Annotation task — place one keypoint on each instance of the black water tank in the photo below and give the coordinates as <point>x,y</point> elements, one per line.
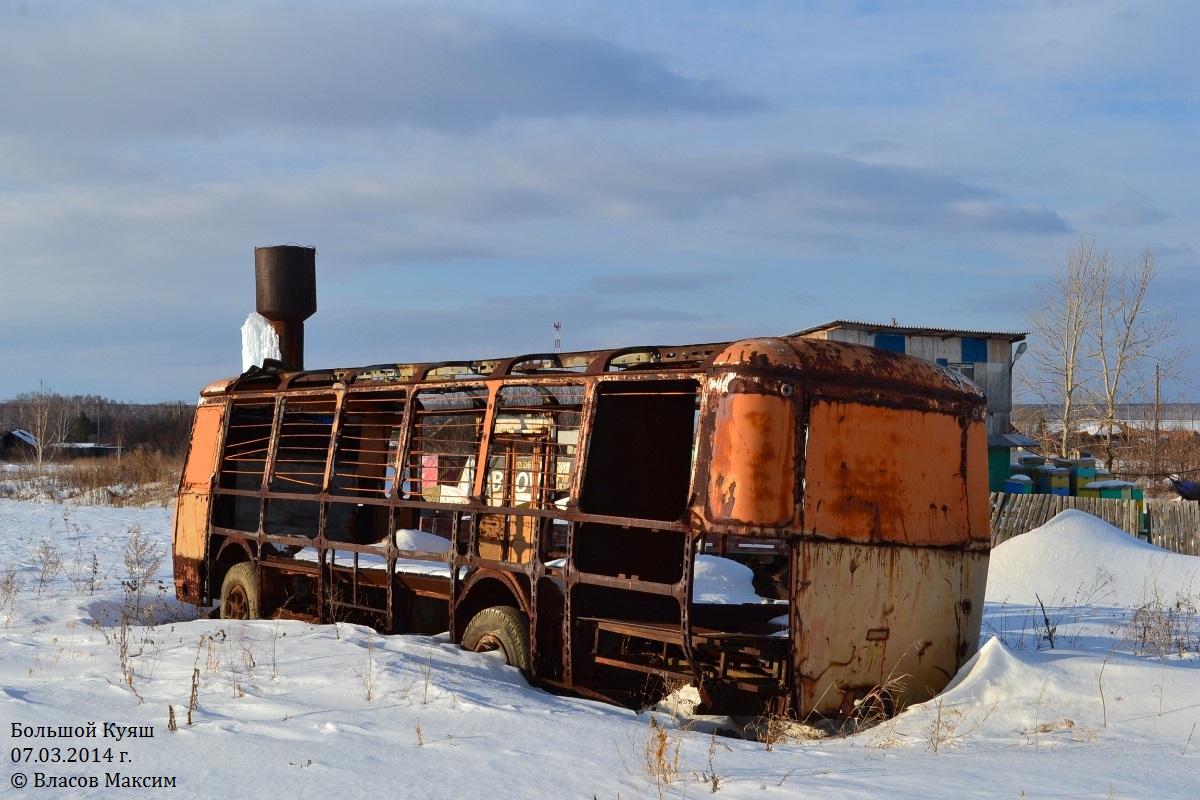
<point>285,282</point>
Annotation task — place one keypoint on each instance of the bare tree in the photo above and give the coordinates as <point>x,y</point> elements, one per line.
<point>1099,341</point>
<point>45,416</point>
<point>1061,364</point>
<point>1129,338</point>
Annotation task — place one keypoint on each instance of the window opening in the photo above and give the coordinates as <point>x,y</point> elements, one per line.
<point>531,454</point>
<point>305,428</point>
<point>966,370</point>
<point>440,467</point>
<point>639,465</point>
<point>243,463</point>
<point>363,462</point>
<point>247,439</point>
<point>640,449</point>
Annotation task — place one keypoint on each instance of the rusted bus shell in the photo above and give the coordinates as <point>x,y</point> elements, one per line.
<point>860,471</point>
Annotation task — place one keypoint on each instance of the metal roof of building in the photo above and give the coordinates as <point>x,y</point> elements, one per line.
<point>876,327</point>
<point>1012,440</point>
<point>25,436</point>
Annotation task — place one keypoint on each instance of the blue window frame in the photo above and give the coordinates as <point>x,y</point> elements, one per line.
<point>974,350</point>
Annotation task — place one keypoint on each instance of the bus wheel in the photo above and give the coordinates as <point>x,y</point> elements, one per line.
<point>502,628</point>
<point>239,593</point>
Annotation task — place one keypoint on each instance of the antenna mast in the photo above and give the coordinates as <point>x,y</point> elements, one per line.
<point>558,337</point>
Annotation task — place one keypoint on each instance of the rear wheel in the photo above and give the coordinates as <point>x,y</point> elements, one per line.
<point>239,593</point>
<point>501,628</point>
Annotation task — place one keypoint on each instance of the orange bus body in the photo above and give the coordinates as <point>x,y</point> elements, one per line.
<point>554,506</point>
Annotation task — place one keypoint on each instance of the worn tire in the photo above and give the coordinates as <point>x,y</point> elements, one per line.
<point>239,593</point>
<point>502,628</point>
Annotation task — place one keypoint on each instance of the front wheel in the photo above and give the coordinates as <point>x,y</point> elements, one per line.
<point>501,628</point>
<point>239,593</point>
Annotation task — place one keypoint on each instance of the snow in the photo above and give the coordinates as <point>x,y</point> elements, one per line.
<point>722,580</point>
<point>1078,560</point>
<point>296,710</point>
<point>421,542</point>
<point>259,341</point>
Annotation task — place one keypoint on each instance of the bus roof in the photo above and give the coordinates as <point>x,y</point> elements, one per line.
<point>811,359</point>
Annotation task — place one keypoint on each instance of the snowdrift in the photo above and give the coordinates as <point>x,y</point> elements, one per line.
<point>1076,559</point>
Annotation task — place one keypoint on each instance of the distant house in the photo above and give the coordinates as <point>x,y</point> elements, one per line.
<point>16,442</point>
<point>985,357</point>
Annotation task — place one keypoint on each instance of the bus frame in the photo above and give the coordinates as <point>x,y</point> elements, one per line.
<point>575,492</point>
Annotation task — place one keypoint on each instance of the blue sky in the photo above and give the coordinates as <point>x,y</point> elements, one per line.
<point>644,172</point>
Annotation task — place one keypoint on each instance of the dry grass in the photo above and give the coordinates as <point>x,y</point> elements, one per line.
<point>944,727</point>
<point>654,755</point>
<point>1160,628</point>
<point>709,775</point>
<point>139,478</point>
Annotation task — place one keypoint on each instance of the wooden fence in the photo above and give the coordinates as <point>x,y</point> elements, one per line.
<point>1173,525</point>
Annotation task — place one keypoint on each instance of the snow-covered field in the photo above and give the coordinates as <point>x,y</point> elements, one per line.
<point>288,709</point>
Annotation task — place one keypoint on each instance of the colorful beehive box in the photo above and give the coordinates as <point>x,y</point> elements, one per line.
<point>1020,469</point>
<point>1019,484</point>
<point>1054,480</point>
<point>1083,472</point>
<point>1115,490</point>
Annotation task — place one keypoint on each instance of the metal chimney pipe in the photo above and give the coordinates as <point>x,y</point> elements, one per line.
<point>285,288</point>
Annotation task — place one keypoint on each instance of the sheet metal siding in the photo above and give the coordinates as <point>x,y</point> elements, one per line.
<point>886,476</point>
<point>870,614</point>
<point>1000,351</point>
<point>932,348</point>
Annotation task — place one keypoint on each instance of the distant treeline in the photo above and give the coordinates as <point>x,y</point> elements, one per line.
<point>57,419</point>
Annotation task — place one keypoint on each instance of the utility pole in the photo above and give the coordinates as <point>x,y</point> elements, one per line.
<point>1155,467</point>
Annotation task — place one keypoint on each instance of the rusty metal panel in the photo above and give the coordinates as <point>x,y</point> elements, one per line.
<point>753,470</point>
<point>187,580</point>
<point>202,454</point>
<point>190,534</point>
<point>191,524</point>
<point>871,614</point>
<point>974,587</point>
<point>882,474</point>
